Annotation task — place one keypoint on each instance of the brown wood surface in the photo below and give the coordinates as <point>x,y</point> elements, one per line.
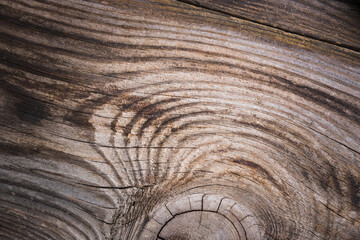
<point>333,21</point>
<point>124,119</point>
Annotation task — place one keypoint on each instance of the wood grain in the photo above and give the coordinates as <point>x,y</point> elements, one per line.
<point>119,119</point>
<point>335,21</point>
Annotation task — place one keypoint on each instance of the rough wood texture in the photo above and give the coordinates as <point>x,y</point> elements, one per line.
<point>122,119</point>
<point>332,21</point>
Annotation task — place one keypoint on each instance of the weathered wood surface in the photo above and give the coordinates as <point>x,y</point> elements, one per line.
<point>125,119</point>
<point>336,22</point>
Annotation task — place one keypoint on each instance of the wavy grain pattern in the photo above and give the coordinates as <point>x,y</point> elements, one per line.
<point>156,119</point>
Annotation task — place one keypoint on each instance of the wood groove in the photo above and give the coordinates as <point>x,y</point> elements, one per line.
<point>324,39</point>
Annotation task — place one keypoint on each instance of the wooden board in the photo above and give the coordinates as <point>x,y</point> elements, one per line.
<point>335,22</point>
<point>118,116</point>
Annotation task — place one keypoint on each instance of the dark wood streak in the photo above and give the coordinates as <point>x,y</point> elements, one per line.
<point>258,168</point>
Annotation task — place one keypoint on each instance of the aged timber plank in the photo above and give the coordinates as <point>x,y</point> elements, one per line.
<point>333,21</point>
<point>123,119</point>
